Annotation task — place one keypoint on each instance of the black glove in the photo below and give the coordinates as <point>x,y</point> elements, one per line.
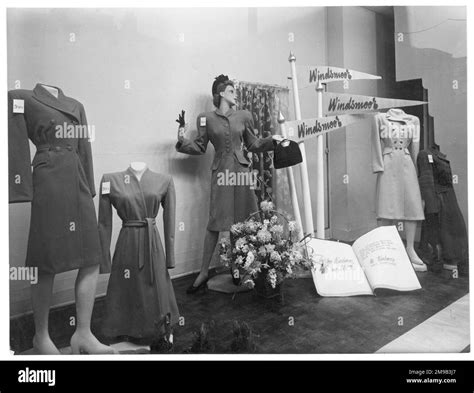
<point>180,119</point>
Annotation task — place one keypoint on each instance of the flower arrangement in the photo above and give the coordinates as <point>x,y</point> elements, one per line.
<point>265,247</point>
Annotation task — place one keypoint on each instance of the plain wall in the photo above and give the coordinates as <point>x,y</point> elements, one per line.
<point>166,74</point>
<point>439,57</point>
<point>354,40</point>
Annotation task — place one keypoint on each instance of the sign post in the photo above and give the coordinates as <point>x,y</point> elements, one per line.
<point>320,215</point>
<point>308,212</point>
<point>291,178</point>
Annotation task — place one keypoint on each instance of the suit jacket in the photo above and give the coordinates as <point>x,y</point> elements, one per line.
<point>229,133</point>
<point>434,177</point>
<point>383,144</point>
<point>63,229</point>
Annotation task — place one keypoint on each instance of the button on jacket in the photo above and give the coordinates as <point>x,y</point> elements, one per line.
<point>63,228</point>
<point>229,133</point>
<point>395,145</point>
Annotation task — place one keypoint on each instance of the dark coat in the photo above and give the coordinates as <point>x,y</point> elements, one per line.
<point>446,225</point>
<point>63,229</point>
<point>140,299</point>
<point>229,133</point>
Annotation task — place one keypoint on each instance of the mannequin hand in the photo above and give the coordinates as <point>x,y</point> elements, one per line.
<point>181,131</point>
<point>180,120</point>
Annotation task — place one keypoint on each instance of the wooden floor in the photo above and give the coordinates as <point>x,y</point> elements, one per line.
<point>308,323</point>
<point>321,325</point>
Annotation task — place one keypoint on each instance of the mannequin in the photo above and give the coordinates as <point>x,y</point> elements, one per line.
<point>53,247</point>
<point>141,303</point>
<point>395,145</point>
<point>443,236</point>
<point>52,90</point>
<point>138,168</point>
<point>228,130</point>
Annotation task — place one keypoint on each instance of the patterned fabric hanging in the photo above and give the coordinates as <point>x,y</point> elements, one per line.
<point>264,102</point>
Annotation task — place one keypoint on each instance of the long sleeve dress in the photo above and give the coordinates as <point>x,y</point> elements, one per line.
<point>395,145</point>
<point>229,133</point>
<point>140,300</point>
<point>63,227</point>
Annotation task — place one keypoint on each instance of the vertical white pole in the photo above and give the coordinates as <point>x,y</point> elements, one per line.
<point>291,179</point>
<point>308,212</point>
<point>320,216</point>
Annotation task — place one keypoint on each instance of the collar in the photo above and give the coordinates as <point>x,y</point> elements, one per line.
<point>227,114</point>
<point>437,153</point>
<point>62,103</point>
<point>398,115</point>
<point>130,170</point>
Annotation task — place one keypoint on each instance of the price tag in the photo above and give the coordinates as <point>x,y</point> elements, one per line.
<point>18,106</point>
<point>203,122</point>
<point>430,158</point>
<point>105,187</point>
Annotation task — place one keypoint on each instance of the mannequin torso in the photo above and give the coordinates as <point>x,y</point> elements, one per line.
<point>138,168</point>
<point>52,90</point>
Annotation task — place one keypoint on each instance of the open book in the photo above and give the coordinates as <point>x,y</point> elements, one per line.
<point>377,259</point>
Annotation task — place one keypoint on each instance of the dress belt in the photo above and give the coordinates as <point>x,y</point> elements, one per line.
<point>57,148</point>
<point>147,223</point>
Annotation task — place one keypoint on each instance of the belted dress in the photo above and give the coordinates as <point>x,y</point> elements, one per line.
<point>63,226</point>
<point>140,300</point>
<point>395,145</point>
<point>233,187</point>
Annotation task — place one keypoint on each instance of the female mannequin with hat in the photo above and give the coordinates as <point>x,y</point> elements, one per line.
<point>229,130</point>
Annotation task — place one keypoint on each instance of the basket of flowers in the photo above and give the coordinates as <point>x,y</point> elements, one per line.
<point>263,251</point>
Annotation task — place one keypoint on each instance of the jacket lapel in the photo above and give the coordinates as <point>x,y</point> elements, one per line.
<point>62,103</point>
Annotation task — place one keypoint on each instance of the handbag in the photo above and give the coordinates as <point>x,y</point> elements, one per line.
<point>286,153</point>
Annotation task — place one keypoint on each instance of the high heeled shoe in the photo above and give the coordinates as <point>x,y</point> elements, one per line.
<point>192,289</point>
<point>416,262</point>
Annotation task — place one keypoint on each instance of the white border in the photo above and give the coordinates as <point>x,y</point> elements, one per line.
<point>4,282</point>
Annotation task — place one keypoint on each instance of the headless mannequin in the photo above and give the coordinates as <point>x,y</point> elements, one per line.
<point>138,168</point>
<point>51,90</point>
<point>82,341</point>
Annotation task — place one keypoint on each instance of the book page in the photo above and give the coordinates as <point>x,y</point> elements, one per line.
<point>385,261</point>
<point>336,271</point>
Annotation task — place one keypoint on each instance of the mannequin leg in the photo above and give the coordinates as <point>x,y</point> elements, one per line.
<point>410,230</point>
<point>83,340</point>
<point>41,294</point>
<point>210,242</point>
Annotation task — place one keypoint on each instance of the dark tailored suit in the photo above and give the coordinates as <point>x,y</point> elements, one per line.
<point>445,224</point>
<point>63,228</point>
<point>229,133</point>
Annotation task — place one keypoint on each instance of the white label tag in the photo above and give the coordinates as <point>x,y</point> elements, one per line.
<point>18,106</point>
<point>430,158</point>
<point>203,122</point>
<point>105,187</point>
